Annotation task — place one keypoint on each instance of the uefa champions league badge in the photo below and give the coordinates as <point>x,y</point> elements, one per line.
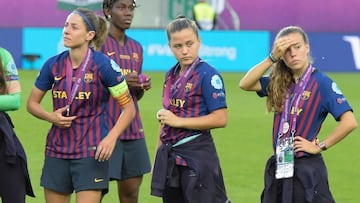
<point>336,88</point>
<point>216,82</point>
<point>115,66</point>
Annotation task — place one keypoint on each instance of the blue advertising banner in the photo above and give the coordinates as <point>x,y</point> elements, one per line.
<point>11,39</point>
<point>233,51</point>
<point>225,50</point>
<point>335,52</point>
<point>45,47</point>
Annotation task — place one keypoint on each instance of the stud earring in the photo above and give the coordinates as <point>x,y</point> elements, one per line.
<point>109,16</point>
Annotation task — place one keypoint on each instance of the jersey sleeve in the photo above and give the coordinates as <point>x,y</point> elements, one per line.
<point>11,99</point>
<point>214,90</point>
<point>115,81</point>
<point>11,74</point>
<point>264,82</point>
<point>334,101</point>
<point>45,78</point>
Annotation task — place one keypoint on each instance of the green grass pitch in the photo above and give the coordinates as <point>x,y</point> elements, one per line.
<point>243,146</point>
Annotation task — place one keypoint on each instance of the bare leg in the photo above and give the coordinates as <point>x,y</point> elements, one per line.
<point>128,189</point>
<point>88,196</point>
<point>52,196</point>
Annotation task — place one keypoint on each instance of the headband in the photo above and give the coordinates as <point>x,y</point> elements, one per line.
<point>87,21</point>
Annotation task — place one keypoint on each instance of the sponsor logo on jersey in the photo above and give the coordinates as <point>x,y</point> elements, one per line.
<point>177,102</point>
<point>124,56</point>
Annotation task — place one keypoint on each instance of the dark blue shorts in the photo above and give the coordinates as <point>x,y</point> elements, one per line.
<point>68,175</point>
<point>130,158</point>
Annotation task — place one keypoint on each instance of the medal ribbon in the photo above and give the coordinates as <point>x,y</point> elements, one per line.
<point>299,89</point>
<point>71,90</point>
<point>172,89</point>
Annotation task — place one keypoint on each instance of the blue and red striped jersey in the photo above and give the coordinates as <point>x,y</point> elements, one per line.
<point>89,105</point>
<point>320,97</point>
<point>203,93</point>
<point>130,58</point>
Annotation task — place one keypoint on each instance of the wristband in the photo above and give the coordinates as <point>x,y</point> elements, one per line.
<point>272,58</point>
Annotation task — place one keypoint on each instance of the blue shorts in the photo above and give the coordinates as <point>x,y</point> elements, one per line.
<point>130,158</point>
<point>68,175</point>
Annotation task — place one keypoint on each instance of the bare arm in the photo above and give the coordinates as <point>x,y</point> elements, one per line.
<point>250,82</point>
<point>346,124</point>
<point>158,143</point>
<point>34,107</point>
<point>107,145</point>
<point>216,119</point>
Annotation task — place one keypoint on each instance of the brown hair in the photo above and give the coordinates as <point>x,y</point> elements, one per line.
<point>180,23</point>
<point>281,75</point>
<point>2,79</point>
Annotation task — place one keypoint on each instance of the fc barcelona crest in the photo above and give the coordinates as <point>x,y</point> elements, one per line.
<point>188,87</point>
<point>136,57</point>
<point>305,95</point>
<point>88,77</point>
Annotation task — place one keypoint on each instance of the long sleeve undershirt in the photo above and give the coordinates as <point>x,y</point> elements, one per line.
<point>10,102</point>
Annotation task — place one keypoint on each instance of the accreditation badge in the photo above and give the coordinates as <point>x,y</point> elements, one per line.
<point>285,158</point>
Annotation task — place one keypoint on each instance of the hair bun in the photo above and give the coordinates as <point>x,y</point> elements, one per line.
<point>180,17</point>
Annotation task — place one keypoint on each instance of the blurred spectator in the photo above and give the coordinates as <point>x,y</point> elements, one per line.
<point>204,15</point>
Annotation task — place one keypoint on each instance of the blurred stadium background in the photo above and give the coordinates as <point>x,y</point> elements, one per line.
<point>31,30</point>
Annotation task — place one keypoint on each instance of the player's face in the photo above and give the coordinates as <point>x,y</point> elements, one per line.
<point>296,55</point>
<point>185,46</point>
<point>122,13</point>
<point>75,32</point>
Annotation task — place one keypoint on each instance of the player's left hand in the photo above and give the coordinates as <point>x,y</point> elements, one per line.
<point>303,145</point>
<point>132,80</point>
<point>105,148</point>
<point>147,84</point>
<point>167,117</point>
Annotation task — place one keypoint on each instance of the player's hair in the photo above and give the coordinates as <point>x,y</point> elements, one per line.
<point>108,4</point>
<point>2,79</point>
<point>95,23</point>
<point>281,75</point>
<point>179,23</point>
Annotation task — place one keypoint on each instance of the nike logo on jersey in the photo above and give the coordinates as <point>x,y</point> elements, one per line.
<point>110,53</point>
<point>98,180</point>
<point>57,78</point>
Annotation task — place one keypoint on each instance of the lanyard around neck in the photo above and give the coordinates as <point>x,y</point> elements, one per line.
<point>172,88</point>
<point>71,90</point>
<point>288,104</point>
